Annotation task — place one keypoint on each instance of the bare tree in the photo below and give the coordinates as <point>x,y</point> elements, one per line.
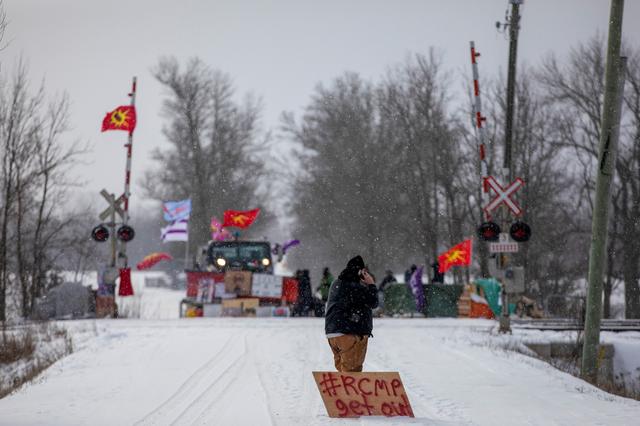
<point>214,153</point>
<point>425,137</point>
<point>3,24</point>
<point>575,91</point>
<point>379,168</point>
<point>33,178</point>
<point>341,201</point>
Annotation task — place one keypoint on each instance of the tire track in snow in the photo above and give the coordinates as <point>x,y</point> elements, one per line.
<point>309,395</point>
<point>263,387</point>
<point>235,381</point>
<point>209,394</point>
<point>184,391</point>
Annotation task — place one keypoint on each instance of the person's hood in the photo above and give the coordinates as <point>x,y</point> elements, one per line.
<point>350,273</point>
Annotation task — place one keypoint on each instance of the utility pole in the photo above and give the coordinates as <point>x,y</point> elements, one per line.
<point>514,27</point>
<point>610,125</point>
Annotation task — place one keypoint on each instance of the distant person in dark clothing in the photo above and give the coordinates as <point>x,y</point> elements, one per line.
<point>438,277</point>
<point>304,304</point>
<point>388,278</point>
<point>325,284</point>
<point>349,318</point>
<point>408,273</point>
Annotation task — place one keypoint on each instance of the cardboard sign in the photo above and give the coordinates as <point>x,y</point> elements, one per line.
<point>238,282</point>
<point>240,307</point>
<point>198,279</point>
<point>266,285</point>
<point>363,394</point>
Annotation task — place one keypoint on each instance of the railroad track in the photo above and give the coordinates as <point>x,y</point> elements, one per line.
<point>561,324</point>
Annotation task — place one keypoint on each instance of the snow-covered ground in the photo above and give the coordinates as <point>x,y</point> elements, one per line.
<point>256,371</point>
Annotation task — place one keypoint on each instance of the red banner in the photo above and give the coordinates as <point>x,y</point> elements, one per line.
<point>240,219</point>
<point>125,289</point>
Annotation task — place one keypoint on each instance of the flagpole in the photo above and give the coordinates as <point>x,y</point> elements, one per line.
<point>127,177</point>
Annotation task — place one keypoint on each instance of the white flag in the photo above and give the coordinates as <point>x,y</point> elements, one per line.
<point>177,231</point>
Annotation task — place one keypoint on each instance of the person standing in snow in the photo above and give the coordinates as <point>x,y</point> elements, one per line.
<point>305,298</point>
<point>325,284</point>
<point>349,317</point>
<point>388,279</point>
<point>408,273</point>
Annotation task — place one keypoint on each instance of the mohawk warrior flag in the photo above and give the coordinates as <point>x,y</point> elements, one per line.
<point>458,255</point>
<point>240,219</point>
<point>121,118</point>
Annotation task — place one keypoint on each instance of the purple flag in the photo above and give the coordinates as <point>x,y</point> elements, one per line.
<point>415,283</point>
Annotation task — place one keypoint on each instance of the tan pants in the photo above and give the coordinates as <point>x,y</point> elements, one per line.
<point>349,351</point>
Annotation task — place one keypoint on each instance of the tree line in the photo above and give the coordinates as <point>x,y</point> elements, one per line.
<point>387,169</point>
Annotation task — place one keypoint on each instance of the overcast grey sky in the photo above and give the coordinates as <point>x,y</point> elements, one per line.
<point>278,49</point>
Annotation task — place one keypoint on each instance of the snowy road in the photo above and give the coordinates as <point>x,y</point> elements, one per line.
<point>254,371</point>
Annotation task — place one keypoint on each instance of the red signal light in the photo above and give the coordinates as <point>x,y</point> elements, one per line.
<point>520,232</point>
<point>126,233</point>
<point>100,233</point>
<point>489,231</point>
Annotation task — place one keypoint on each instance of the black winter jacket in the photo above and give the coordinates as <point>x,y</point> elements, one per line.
<point>349,307</point>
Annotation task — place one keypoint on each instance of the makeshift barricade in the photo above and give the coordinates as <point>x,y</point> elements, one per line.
<point>440,300</point>
<point>212,294</point>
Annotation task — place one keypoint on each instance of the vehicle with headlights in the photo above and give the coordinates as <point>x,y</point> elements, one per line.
<point>254,256</point>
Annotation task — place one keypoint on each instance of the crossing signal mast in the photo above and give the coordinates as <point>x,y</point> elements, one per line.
<point>490,231</point>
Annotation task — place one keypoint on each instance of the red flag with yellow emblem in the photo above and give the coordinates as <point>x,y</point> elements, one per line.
<point>240,219</point>
<point>121,118</point>
<point>460,254</point>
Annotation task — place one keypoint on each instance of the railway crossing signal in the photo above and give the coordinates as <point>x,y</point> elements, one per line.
<point>503,195</point>
<point>114,204</point>
<point>520,232</point>
<point>489,231</point>
<point>504,246</point>
<point>100,233</point>
<point>126,233</point>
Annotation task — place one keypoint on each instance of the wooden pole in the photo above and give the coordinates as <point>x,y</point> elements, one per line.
<point>610,130</point>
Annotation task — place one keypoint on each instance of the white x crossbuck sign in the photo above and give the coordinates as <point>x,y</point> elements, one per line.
<point>504,195</point>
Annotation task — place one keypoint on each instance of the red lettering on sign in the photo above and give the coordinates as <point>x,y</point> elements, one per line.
<point>365,404</point>
<point>342,407</point>
<point>395,384</point>
<point>362,391</point>
<point>329,384</point>
<point>347,382</point>
<point>357,394</point>
<point>355,407</point>
<point>386,409</point>
<point>381,384</point>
